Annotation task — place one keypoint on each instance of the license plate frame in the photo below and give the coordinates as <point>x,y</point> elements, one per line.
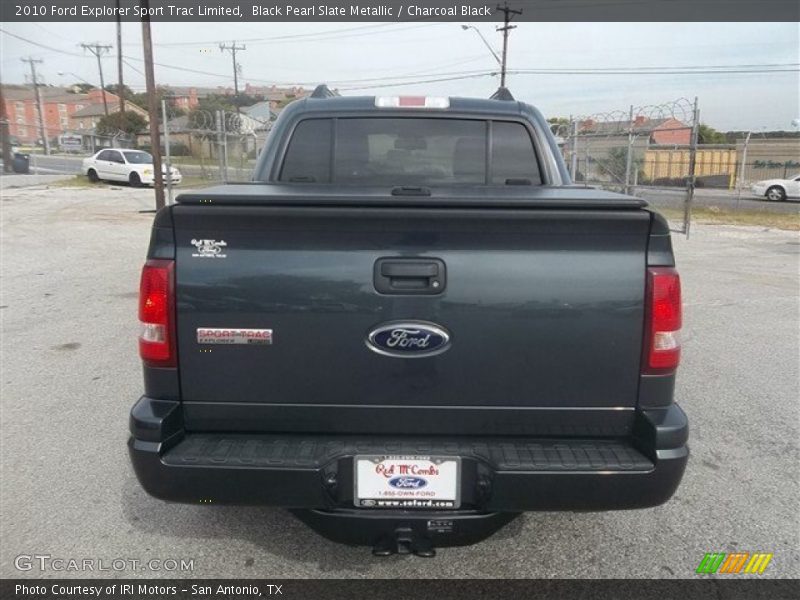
<point>372,474</point>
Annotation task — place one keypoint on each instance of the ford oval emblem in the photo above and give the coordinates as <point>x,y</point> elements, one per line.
<point>408,339</point>
<point>408,483</point>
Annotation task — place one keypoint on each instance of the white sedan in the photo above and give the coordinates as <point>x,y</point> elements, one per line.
<point>133,166</point>
<point>778,189</point>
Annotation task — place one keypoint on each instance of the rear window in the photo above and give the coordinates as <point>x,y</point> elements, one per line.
<point>410,151</point>
<point>308,158</point>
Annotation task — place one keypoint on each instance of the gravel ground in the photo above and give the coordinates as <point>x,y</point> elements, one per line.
<point>70,265</point>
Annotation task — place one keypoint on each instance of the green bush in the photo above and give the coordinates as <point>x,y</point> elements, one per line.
<point>179,149</point>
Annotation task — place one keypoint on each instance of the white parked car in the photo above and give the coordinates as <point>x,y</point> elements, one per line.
<point>778,189</point>
<point>133,166</point>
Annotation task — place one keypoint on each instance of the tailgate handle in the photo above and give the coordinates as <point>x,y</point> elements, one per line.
<point>409,276</point>
<point>407,190</point>
<point>409,269</point>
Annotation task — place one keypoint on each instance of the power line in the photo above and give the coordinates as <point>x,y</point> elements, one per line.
<point>132,67</point>
<point>19,37</point>
<point>675,71</point>
<point>390,81</point>
<point>306,37</point>
<point>474,75</point>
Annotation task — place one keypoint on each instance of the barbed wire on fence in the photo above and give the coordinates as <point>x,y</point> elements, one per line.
<point>610,148</point>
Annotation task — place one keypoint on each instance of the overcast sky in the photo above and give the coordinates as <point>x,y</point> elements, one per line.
<point>371,51</point>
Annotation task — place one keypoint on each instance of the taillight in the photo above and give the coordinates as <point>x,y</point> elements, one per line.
<point>157,313</point>
<point>662,342</point>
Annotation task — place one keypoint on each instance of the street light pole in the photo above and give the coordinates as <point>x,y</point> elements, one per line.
<point>62,73</point>
<point>483,39</point>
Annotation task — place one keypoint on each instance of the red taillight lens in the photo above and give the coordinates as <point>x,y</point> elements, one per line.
<point>157,313</point>
<point>663,347</point>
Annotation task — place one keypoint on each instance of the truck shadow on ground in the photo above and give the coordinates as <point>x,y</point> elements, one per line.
<point>274,531</point>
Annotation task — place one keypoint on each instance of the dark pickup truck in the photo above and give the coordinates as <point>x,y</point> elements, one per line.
<point>409,328</point>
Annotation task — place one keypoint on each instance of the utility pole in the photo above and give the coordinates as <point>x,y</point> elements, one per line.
<point>98,50</point>
<point>152,106</point>
<point>120,83</point>
<point>4,133</point>
<point>233,48</point>
<point>166,148</point>
<point>508,14</point>
<point>39,104</point>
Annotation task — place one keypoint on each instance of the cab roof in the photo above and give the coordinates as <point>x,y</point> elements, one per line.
<point>367,104</point>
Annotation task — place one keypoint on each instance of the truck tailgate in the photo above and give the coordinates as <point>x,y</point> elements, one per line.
<point>544,307</point>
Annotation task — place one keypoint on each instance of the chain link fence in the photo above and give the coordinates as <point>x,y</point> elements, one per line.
<point>652,151</point>
<point>215,146</point>
<point>626,150</point>
<point>207,146</point>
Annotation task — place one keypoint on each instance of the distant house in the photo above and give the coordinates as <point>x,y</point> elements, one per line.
<point>188,97</point>
<point>666,131</point>
<point>276,96</point>
<point>202,140</point>
<point>87,117</point>
<point>260,115</point>
<point>84,123</point>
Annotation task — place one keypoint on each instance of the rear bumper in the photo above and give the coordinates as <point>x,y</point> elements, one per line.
<point>312,471</point>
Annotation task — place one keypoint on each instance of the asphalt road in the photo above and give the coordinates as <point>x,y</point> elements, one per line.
<point>71,165</point>
<point>664,198</point>
<point>70,372</point>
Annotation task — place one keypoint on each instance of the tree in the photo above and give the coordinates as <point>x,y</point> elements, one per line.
<point>128,122</point>
<point>560,126</point>
<point>615,163</point>
<point>203,116</point>
<point>127,92</point>
<point>708,135</point>
<point>162,93</point>
<point>82,88</point>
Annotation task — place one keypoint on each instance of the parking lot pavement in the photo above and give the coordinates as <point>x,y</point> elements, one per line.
<point>70,372</point>
<point>17,181</point>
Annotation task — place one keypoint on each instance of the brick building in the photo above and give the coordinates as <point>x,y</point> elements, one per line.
<point>87,117</point>
<point>60,106</point>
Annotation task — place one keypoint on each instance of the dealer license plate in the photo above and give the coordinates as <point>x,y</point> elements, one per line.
<point>431,482</point>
